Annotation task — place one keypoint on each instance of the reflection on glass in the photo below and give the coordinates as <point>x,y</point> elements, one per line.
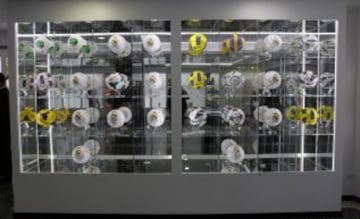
<point>258,95</point>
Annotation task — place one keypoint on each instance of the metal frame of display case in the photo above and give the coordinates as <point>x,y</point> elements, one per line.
<point>177,192</point>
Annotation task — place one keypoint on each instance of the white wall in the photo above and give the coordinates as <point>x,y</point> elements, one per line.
<point>351,68</point>
<point>3,52</point>
<point>3,10</point>
<point>351,178</point>
<point>3,31</point>
<point>3,38</point>
<point>356,156</point>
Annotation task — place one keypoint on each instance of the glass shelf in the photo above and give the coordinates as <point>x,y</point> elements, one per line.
<point>265,33</point>
<point>269,96</point>
<point>109,134</point>
<point>92,34</point>
<point>101,157</point>
<point>255,156</point>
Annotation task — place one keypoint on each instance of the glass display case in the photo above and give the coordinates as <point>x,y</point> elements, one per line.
<point>94,96</point>
<point>258,95</point>
<point>227,114</point>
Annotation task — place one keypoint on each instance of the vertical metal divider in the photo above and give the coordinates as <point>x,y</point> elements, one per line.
<point>285,103</point>
<point>129,37</point>
<point>335,90</point>
<point>36,109</point>
<point>70,100</point>
<point>16,76</point>
<point>176,109</point>
<point>51,140</point>
<point>257,134</point>
<point>303,96</point>
<point>279,98</point>
<point>282,97</point>
<point>318,97</point>
<point>137,100</point>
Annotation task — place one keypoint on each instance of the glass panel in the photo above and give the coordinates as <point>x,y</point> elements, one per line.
<point>258,95</point>
<point>94,96</point>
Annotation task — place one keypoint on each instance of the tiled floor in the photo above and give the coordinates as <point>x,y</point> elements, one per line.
<point>351,210</point>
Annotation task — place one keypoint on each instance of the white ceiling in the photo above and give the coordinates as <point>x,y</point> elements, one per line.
<point>3,9</point>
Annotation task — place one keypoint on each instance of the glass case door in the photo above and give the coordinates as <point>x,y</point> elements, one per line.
<point>258,95</point>
<point>94,96</point>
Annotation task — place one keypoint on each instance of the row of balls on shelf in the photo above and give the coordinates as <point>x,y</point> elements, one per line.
<point>84,153</point>
<point>234,80</point>
<point>269,116</point>
<point>83,118</point>
<point>270,44</point>
<point>197,44</point>
<point>76,44</point>
<point>295,82</point>
<point>267,81</point>
<point>80,81</point>
<point>198,79</point>
<point>309,115</point>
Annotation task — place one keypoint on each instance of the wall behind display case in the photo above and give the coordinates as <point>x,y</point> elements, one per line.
<point>3,43</point>
<point>356,150</point>
<point>4,7</point>
<point>274,188</point>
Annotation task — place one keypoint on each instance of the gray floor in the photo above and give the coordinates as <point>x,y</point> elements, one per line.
<point>351,210</point>
<point>6,201</point>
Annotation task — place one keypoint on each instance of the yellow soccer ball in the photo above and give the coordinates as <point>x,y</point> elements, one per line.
<point>62,115</point>
<point>326,113</point>
<point>293,113</point>
<point>233,44</point>
<point>310,116</point>
<point>197,44</point>
<point>28,114</point>
<point>45,117</point>
<point>197,80</point>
